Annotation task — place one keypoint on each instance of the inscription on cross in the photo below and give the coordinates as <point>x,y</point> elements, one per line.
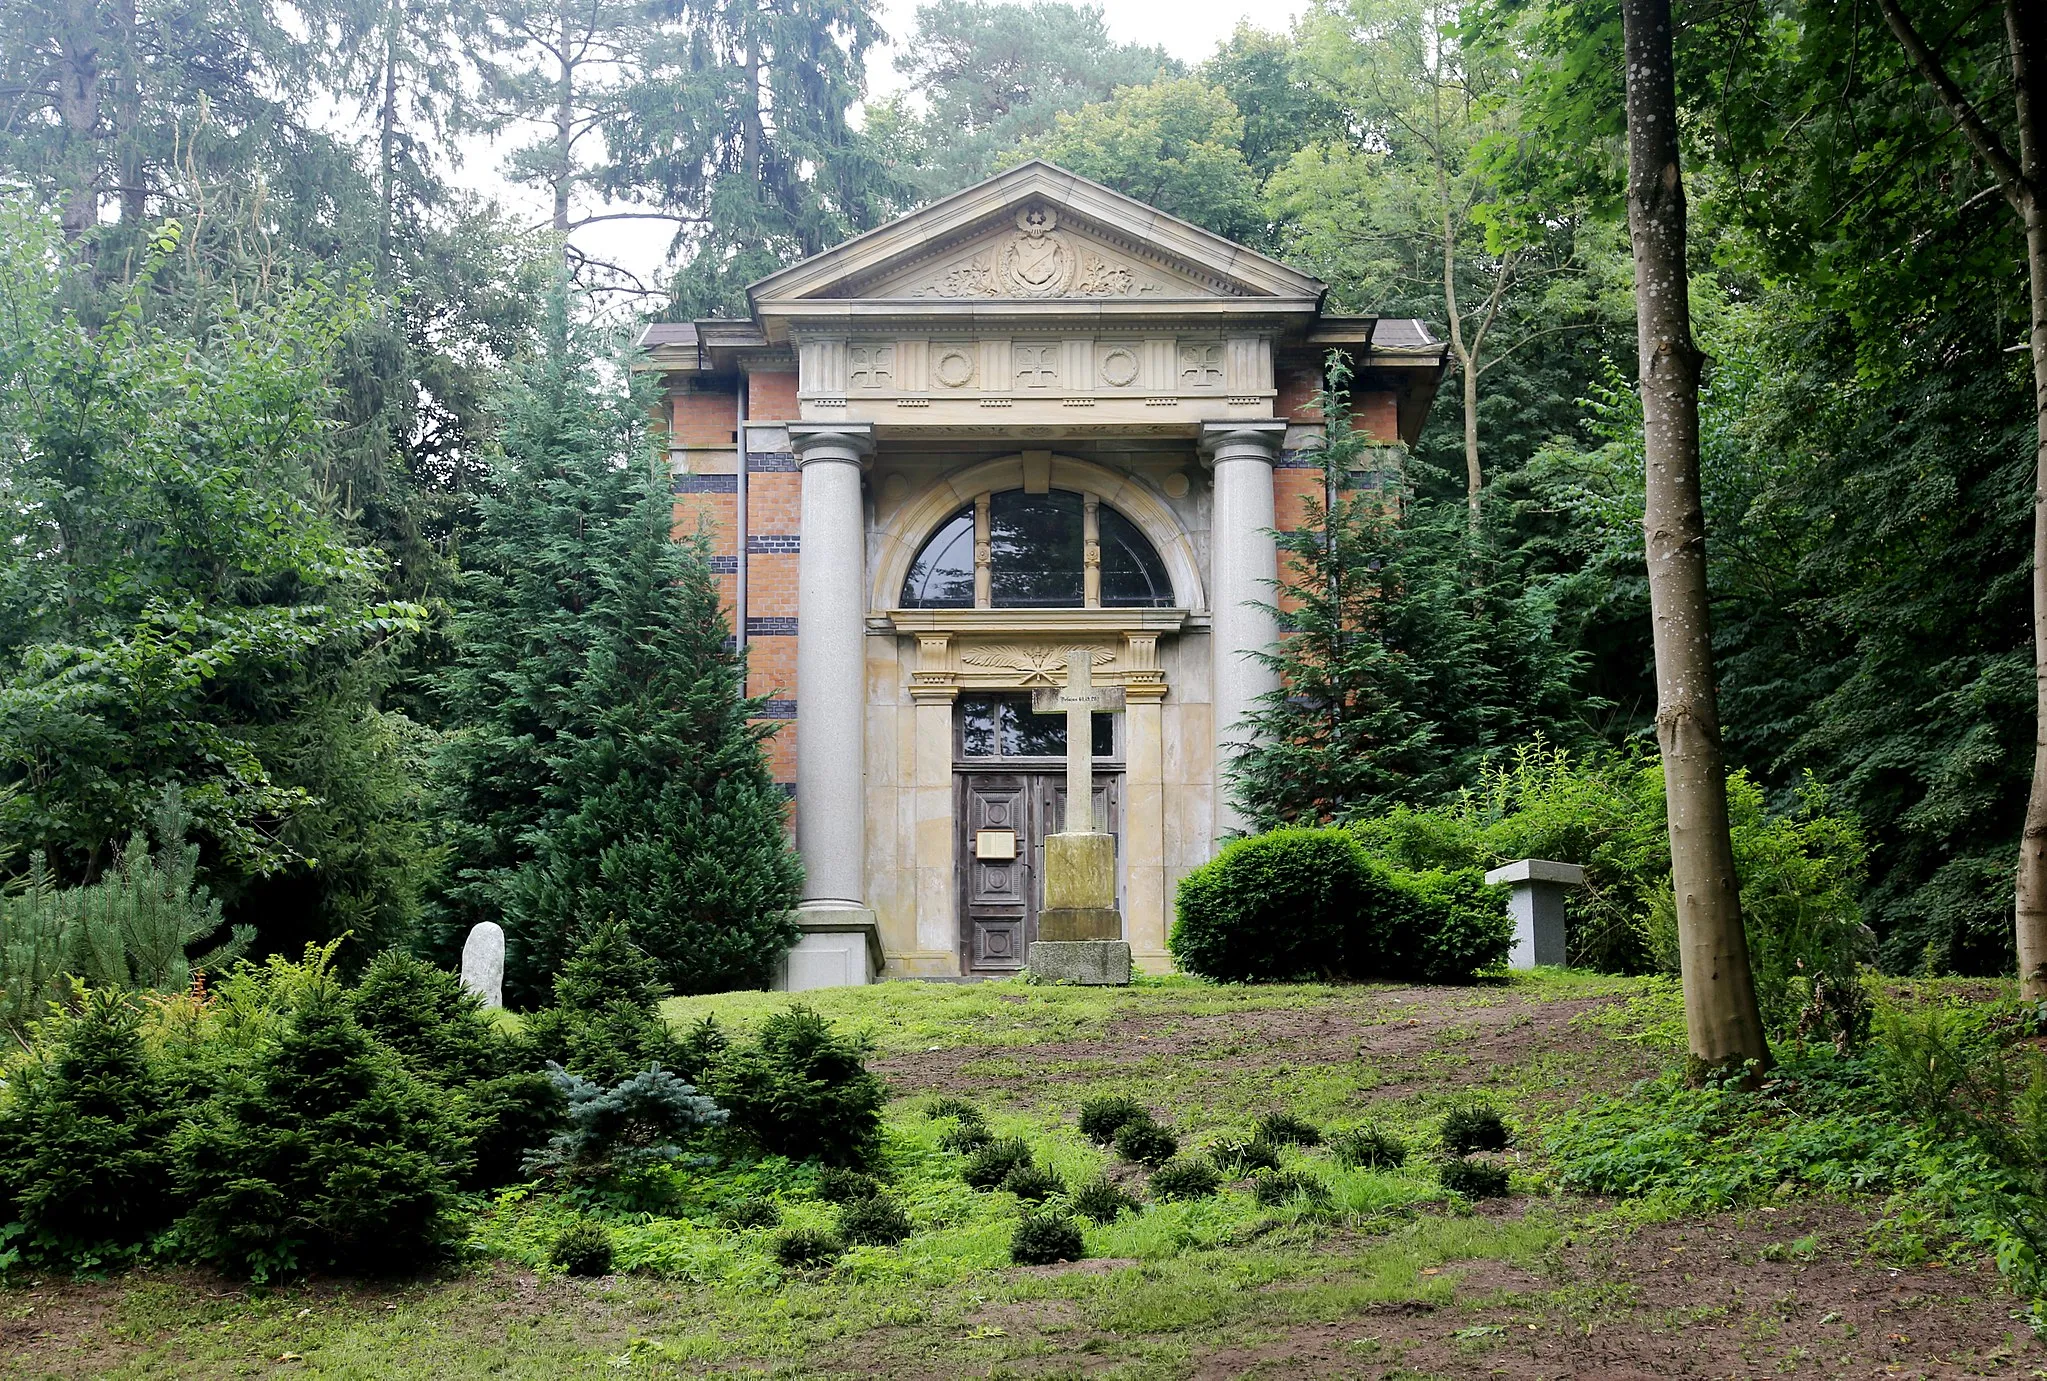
<point>1081,701</point>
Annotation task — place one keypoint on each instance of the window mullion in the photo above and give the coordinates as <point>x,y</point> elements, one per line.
<point>982,597</point>
<point>1091,537</point>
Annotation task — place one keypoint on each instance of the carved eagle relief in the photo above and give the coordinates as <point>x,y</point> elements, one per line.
<point>1038,665</point>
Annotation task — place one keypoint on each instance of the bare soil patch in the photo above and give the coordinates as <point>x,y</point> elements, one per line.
<point>1739,1294</point>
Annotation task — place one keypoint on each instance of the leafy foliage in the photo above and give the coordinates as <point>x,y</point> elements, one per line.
<point>1273,1188</point>
<point>799,1248</point>
<point>989,1166</point>
<point>1240,1156</point>
<point>1369,1148</point>
<point>1286,1129</point>
<point>606,770</point>
<point>328,1156</point>
<point>1474,1127</point>
<point>1102,1116</point>
<point>837,1185</point>
<point>1045,1237</point>
<point>583,1248</point>
<point>801,1090</point>
<point>603,1024</point>
<point>613,1134</point>
<point>424,1014</point>
<point>1473,1178</point>
<point>874,1220</point>
<point>1100,1200</point>
<point>1145,1142</point>
<point>1184,1177</point>
<point>1034,1183</point>
<point>84,1144</point>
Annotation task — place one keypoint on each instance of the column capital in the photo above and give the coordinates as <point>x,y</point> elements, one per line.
<point>1248,439</point>
<point>847,442</point>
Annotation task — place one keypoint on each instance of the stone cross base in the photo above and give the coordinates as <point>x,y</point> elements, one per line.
<point>1089,963</point>
<point>1080,923</point>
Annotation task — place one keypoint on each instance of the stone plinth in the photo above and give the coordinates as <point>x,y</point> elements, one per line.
<point>840,948</point>
<point>1536,904</point>
<point>1080,871</point>
<point>1091,963</point>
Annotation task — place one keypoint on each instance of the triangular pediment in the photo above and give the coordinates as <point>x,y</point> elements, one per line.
<point>1037,233</point>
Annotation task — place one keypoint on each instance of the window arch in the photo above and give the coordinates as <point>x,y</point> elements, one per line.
<point>1057,550</point>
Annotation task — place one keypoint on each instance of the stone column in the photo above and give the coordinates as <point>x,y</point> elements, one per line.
<point>831,676</point>
<point>1243,563</point>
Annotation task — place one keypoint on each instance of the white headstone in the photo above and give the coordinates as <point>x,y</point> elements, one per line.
<point>483,963</point>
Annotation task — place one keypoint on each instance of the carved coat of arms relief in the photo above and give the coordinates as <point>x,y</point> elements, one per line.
<point>1037,261</point>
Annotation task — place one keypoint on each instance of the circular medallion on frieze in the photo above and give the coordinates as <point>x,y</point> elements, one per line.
<point>1119,367</point>
<point>953,368</point>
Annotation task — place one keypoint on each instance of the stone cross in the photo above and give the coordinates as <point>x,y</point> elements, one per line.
<point>483,963</point>
<point>1079,701</point>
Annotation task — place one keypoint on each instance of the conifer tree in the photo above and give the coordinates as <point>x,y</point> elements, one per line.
<point>1406,658</point>
<point>603,766</point>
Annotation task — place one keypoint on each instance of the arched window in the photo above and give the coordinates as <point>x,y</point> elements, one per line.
<point>1058,550</point>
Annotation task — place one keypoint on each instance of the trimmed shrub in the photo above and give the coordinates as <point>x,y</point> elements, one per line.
<point>85,1141</point>
<point>1475,1127</point>
<point>437,1026</point>
<point>1045,1237</point>
<point>1368,1148</point>
<point>1101,1201</point>
<point>1273,1188</point>
<point>876,1221</point>
<point>603,1025</point>
<point>837,1185</point>
<point>1238,1157</point>
<point>330,1156</point>
<point>1101,1117</point>
<point>1474,1179</point>
<point>966,1138</point>
<point>1273,908</point>
<point>988,1167</point>
<point>959,1109</point>
<point>754,1211</point>
<point>1185,1178</point>
<point>1454,928</point>
<point>801,1090</point>
<point>583,1248</point>
<point>1146,1142</point>
<point>803,1247</point>
<point>509,1119</point>
<point>1284,1129</point>
<point>1033,1183</point>
<point>640,1123</point>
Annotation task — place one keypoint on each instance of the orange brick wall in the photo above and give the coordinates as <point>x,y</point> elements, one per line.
<point>703,419</point>
<point>1298,385</point>
<point>771,397</point>
<point>1377,415</point>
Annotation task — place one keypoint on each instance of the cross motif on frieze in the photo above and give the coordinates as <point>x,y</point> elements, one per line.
<point>1034,366</point>
<point>871,366</point>
<point>1201,366</point>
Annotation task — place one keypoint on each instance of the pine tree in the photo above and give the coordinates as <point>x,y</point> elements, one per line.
<point>603,765</point>
<point>1408,657</point>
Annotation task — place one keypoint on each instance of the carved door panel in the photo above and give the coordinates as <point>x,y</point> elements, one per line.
<point>995,862</point>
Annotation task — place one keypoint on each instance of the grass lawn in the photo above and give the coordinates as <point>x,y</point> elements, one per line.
<point>1392,1277</point>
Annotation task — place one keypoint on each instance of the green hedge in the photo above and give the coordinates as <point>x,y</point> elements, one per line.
<point>1303,904</point>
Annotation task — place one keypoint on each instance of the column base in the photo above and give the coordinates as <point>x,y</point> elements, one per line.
<point>840,948</point>
<point>1087,963</point>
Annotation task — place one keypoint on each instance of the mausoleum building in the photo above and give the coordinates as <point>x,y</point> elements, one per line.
<point>1033,417</point>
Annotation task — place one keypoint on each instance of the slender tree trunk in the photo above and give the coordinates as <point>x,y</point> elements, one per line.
<point>2021,180</point>
<point>564,127</point>
<point>78,107</point>
<point>750,134</point>
<point>2024,24</point>
<point>128,111</point>
<point>1721,1019</point>
<point>387,133</point>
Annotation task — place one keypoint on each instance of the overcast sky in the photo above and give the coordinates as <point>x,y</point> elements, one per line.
<point>1188,29</point>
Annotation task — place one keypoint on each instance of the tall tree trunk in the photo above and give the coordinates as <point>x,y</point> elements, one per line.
<point>1721,1020</point>
<point>128,114</point>
<point>2021,180</point>
<point>78,107</point>
<point>750,133</point>
<point>2024,24</point>
<point>564,126</point>
<point>387,133</point>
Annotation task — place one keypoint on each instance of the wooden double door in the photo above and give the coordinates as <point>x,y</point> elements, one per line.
<point>1003,818</point>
